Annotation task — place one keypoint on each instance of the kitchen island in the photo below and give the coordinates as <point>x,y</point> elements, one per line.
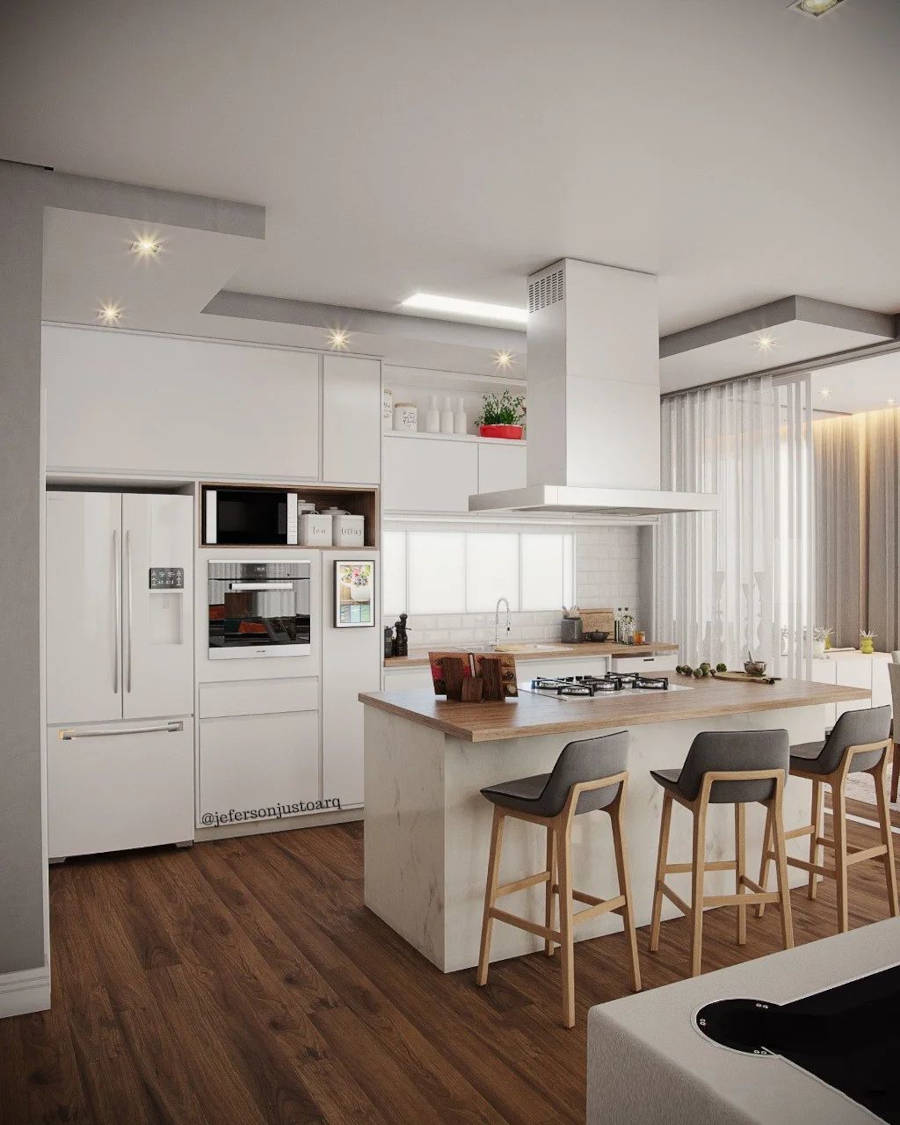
<point>428,827</point>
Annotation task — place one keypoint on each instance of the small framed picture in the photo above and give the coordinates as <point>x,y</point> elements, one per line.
<point>354,594</point>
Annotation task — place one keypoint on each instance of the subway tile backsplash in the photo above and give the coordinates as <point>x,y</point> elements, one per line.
<point>606,574</point>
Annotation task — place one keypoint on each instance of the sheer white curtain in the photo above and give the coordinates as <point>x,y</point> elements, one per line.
<point>741,578</point>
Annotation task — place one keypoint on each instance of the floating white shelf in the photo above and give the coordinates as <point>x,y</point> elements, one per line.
<point>454,437</point>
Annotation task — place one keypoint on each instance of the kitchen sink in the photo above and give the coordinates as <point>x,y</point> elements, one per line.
<point>521,648</point>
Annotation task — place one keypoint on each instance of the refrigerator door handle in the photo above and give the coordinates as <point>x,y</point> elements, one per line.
<point>173,727</point>
<point>128,604</point>
<point>117,629</point>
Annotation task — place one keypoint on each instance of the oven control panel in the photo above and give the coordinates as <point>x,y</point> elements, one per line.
<point>166,577</point>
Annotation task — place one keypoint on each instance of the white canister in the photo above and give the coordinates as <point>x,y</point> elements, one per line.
<point>315,530</point>
<point>348,531</point>
<point>406,417</point>
<point>387,408</point>
<point>304,505</point>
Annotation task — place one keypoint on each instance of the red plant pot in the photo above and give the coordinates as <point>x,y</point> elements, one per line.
<point>513,433</point>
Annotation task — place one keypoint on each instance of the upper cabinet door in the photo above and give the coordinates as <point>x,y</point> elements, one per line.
<point>428,475</point>
<point>352,420</point>
<point>501,466</point>
<point>84,659</point>
<point>157,638</point>
<point>117,401</point>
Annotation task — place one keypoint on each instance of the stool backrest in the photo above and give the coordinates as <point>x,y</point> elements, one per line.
<point>856,728</point>
<point>587,760</point>
<point>735,751</point>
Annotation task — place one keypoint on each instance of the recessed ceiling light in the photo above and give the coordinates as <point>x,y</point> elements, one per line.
<point>338,339</point>
<point>765,342</point>
<point>504,360</point>
<point>459,306</point>
<point>815,7</point>
<point>146,246</point>
<point>825,392</point>
<point>109,313</point>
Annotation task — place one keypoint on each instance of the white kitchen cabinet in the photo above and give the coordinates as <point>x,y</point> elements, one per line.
<point>855,669</point>
<point>351,663</point>
<point>140,403</point>
<point>254,762</point>
<point>501,465</point>
<point>351,425</point>
<point>422,474</point>
<point>112,786</point>
<point>656,664</point>
<point>258,697</point>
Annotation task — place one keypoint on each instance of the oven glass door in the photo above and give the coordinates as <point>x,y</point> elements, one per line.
<point>258,613</point>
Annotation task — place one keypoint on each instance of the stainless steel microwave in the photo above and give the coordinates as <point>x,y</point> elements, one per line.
<point>259,609</point>
<point>249,517</point>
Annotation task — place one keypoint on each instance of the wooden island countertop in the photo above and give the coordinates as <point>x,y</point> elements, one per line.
<point>529,715</point>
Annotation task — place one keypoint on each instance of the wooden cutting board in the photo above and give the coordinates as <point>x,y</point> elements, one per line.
<point>744,678</point>
<point>598,620</point>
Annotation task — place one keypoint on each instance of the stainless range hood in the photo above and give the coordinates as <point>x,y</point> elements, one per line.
<point>593,398</point>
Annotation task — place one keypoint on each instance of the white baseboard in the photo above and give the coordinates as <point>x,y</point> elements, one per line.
<point>24,991</point>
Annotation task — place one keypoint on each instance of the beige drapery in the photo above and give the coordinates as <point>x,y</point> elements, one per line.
<point>857,462</point>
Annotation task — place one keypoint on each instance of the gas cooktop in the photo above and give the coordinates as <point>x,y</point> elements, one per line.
<point>592,687</point>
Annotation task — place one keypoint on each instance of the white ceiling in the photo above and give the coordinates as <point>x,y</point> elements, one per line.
<point>854,387</point>
<point>740,150</point>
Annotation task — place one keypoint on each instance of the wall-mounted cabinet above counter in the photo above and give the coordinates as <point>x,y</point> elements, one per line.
<point>139,403</point>
<point>437,473</point>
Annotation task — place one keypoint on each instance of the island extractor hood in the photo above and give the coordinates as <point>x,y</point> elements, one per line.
<point>593,398</point>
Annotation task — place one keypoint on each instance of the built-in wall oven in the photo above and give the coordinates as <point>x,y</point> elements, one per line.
<point>259,609</point>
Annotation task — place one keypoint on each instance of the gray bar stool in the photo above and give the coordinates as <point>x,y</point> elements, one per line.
<point>860,741</point>
<point>588,775</point>
<point>730,768</point>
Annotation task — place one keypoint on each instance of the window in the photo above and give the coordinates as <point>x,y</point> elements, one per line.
<point>428,572</point>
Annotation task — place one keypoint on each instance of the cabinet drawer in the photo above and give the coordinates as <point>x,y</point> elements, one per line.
<point>258,697</point>
<point>661,662</point>
<point>252,763</point>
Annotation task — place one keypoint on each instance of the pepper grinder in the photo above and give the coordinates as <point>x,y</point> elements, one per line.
<point>401,642</point>
<point>388,641</point>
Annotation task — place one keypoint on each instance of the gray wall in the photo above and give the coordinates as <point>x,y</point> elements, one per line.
<point>24,195</point>
<point>21,485</point>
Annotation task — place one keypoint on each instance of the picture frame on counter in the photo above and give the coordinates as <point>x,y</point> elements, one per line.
<point>354,593</point>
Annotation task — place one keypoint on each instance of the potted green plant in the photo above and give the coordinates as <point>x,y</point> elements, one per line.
<point>502,415</point>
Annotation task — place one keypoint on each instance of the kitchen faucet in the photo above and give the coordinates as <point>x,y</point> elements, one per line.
<point>505,602</point>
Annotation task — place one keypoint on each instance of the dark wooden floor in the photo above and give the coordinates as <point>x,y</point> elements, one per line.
<point>244,981</point>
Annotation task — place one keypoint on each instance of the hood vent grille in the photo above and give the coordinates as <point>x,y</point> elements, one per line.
<point>547,289</point>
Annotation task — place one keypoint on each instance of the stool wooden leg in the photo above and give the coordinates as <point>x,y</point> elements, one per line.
<point>884,819</point>
<point>839,820</point>
<point>698,862</point>
<point>766,855</point>
<point>549,911</point>
<point>815,850</point>
<point>895,772</point>
<point>662,856</point>
<point>740,859</point>
<point>618,831</point>
<point>781,870</point>
<point>490,894</point>
<point>567,950</point>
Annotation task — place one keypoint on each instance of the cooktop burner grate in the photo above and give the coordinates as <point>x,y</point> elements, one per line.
<point>588,686</point>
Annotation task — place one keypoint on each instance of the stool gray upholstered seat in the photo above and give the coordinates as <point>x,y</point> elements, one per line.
<point>728,751</point>
<point>588,775</point>
<point>545,794</point>
<point>723,767</point>
<point>860,741</point>
<point>853,728</point>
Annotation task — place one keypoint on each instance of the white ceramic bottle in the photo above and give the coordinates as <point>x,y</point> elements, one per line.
<point>447,417</point>
<point>433,417</point>
<point>460,420</point>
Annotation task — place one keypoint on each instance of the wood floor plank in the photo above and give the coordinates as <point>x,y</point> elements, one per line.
<point>245,981</point>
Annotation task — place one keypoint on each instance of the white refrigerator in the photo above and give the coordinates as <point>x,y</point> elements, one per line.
<point>120,672</point>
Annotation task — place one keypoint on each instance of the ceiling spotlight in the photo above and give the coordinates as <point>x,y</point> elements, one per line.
<point>109,313</point>
<point>825,392</point>
<point>764,342</point>
<point>815,7</point>
<point>146,246</point>
<point>503,360</point>
<point>338,339</point>
<point>461,307</point>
